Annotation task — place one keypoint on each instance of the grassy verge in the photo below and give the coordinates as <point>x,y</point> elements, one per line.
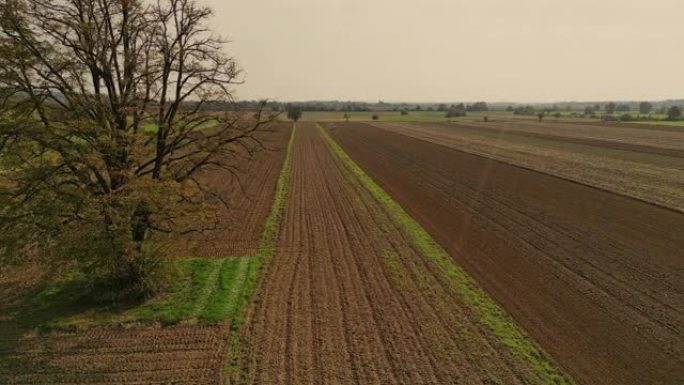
<point>490,314</point>
<point>198,289</point>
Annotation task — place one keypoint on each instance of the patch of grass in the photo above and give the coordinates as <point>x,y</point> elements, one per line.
<point>392,261</point>
<point>490,314</point>
<point>192,283</point>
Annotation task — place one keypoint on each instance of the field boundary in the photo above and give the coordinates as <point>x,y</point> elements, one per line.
<point>490,314</point>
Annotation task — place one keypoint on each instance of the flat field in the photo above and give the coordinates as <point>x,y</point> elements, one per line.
<point>400,252</point>
<point>643,163</point>
<point>594,277</point>
<point>248,193</point>
<point>352,297</point>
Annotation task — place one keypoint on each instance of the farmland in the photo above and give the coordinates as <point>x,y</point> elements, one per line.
<point>353,296</point>
<point>594,277</point>
<point>398,252</point>
<point>643,163</point>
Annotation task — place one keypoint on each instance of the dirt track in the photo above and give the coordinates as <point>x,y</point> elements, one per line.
<point>596,278</point>
<point>346,300</point>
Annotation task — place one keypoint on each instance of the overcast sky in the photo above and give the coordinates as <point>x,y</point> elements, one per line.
<point>456,50</point>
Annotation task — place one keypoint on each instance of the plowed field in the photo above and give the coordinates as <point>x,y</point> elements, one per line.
<point>595,277</point>
<point>348,300</point>
<point>248,194</point>
<point>139,355</point>
<point>644,163</point>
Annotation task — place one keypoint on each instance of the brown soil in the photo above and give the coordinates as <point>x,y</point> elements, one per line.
<point>346,300</point>
<point>647,172</point>
<point>248,194</point>
<point>620,134</point>
<point>594,277</point>
<point>116,355</point>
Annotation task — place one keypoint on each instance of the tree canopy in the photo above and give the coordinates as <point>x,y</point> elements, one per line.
<point>294,113</point>
<point>106,126</point>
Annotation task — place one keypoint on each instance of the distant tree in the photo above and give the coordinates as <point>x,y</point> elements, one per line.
<point>509,108</point>
<point>610,108</point>
<point>455,111</point>
<point>623,108</point>
<point>486,119</point>
<point>479,106</point>
<point>346,117</point>
<point>557,115</point>
<point>294,113</point>
<point>404,112</point>
<point>674,113</point>
<point>375,117</point>
<point>419,108</point>
<point>597,107</point>
<point>540,116</point>
<point>645,108</point>
<point>589,110</point>
<point>526,110</point>
<point>442,107</point>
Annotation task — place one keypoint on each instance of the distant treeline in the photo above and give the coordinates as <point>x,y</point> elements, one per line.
<point>520,108</point>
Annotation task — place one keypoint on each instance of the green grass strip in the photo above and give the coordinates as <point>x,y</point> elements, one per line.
<point>490,314</point>
<point>222,301</point>
<point>193,282</point>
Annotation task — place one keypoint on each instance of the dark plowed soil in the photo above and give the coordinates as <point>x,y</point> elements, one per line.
<point>247,190</point>
<point>633,162</point>
<point>532,130</point>
<point>138,355</point>
<point>596,278</point>
<point>346,300</point>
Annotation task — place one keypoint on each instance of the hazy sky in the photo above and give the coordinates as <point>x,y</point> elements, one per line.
<point>456,50</point>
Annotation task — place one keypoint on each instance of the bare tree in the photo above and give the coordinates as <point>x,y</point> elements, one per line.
<point>110,110</point>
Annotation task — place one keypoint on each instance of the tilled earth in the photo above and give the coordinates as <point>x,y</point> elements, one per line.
<point>595,277</point>
<point>117,355</point>
<point>247,191</point>
<point>347,300</point>
<point>643,163</point>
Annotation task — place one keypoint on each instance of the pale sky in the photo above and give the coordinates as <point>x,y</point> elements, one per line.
<point>456,50</point>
